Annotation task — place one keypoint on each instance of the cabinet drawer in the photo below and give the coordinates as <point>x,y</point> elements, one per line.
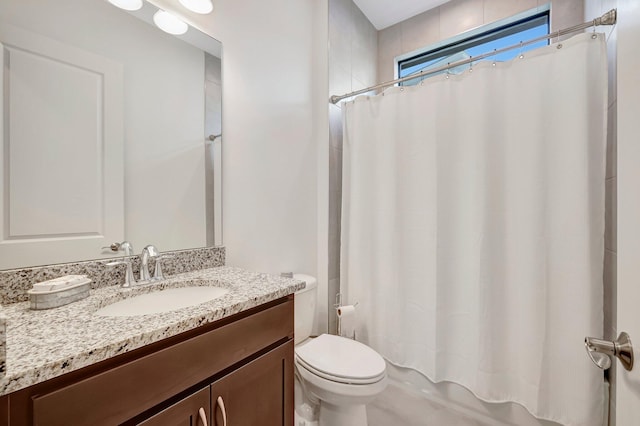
<point>121,393</point>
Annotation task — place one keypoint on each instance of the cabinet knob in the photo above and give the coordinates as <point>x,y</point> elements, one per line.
<point>220,403</point>
<point>203,416</point>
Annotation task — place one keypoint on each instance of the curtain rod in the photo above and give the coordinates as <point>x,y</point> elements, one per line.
<point>608,18</point>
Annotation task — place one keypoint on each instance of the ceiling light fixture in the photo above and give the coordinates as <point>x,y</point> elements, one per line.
<point>198,6</point>
<point>169,23</point>
<point>127,4</point>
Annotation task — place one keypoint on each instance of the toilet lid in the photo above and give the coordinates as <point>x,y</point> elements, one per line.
<point>340,359</point>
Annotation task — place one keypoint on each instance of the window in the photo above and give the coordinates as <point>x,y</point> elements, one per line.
<point>509,32</point>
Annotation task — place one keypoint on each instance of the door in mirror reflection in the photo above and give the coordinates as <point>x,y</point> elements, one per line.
<point>61,187</point>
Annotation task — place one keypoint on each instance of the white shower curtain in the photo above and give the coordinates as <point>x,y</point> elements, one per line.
<point>472,227</point>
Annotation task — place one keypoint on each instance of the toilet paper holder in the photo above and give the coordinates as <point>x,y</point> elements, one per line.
<point>337,306</point>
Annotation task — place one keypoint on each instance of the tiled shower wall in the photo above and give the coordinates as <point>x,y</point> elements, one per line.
<point>353,57</point>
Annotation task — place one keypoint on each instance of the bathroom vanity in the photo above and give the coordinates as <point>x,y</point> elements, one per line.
<point>226,361</point>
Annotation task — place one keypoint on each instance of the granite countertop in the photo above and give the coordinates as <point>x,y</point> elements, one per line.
<point>45,344</point>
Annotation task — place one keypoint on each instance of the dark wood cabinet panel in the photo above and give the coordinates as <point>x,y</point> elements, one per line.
<point>184,413</point>
<point>148,380</point>
<point>259,393</point>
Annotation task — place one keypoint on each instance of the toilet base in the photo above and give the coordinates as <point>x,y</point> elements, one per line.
<point>299,420</point>
<point>342,415</point>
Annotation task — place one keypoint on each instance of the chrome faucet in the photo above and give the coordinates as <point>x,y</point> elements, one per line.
<point>125,246</point>
<point>147,252</point>
<point>129,279</point>
<point>145,276</point>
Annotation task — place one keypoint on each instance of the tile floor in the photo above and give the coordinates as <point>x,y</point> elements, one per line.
<point>397,406</point>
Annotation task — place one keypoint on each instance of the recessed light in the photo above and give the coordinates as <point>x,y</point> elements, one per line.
<point>127,4</point>
<point>198,6</point>
<point>169,23</point>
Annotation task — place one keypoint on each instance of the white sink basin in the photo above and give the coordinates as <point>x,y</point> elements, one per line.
<point>162,301</point>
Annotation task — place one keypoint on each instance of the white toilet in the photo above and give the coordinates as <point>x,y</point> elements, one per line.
<point>338,374</point>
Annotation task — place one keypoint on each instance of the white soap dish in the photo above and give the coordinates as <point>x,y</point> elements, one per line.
<point>59,291</point>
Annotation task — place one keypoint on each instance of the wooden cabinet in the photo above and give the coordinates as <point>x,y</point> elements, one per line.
<point>254,394</point>
<point>246,358</point>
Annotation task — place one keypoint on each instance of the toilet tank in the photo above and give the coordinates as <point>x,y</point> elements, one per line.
<point>304,307</point>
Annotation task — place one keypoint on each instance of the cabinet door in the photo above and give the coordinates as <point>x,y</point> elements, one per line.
<point>194,410</point>
<point>259,393</point>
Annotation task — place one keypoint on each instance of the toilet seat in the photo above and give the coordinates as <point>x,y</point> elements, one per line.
<point>341,360</point>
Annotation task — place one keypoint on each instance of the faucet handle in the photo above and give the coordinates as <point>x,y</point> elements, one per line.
<point>157,273</point>
<point>129,279</point>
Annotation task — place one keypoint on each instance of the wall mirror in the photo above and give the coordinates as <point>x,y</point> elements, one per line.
<point>110,131</point>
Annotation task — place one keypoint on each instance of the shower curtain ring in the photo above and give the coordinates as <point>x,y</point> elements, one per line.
<point>521,56</point>
<point>594,35</point>
<point>494,58</point>
<point>559,46</point>
<point>447,72</point>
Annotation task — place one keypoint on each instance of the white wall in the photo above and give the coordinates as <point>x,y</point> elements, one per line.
<point>275,149</point>
<point>163,113</point>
